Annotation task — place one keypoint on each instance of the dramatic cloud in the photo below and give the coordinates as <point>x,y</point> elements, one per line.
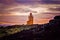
<point>52,13</point>
<point>7,1</point>
<point>16,11</point>
<point>55,9</point>
<point>30,1</point>
<point>22,9</point>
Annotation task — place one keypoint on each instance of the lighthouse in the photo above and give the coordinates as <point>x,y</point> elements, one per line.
<point>30,19</point>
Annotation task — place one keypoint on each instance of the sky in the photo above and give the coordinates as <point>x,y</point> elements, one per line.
<point>17,11</point>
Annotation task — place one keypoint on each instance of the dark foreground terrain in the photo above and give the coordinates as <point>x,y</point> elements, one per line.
<point>50,31</point>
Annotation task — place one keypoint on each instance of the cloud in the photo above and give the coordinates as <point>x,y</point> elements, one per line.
<point>30,1</point>
<point>42,21</point>
<point>39,1</point>
<point>9,7</point>
<point>55,9</point>
<point>7,1</point>
<point>22,10</point>
<point>51,13</point>
<point>7,10</point>
<point>50,1</point>
<point>12,9</point>
<point>13,19</point>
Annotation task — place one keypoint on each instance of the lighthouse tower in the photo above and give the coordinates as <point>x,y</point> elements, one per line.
<point>30,19</point>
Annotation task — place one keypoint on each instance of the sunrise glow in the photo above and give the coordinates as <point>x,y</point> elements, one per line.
<point>17,11</point>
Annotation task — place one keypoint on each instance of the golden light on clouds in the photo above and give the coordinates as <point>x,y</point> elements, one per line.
<point>42,21</point>
<point>37,10</point>
<point>25,10</point>
<point>17,13</point>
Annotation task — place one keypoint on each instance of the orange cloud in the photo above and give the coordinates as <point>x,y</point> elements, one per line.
<point>42,21</point>
<point>11,23</point>
<point>4,23</point>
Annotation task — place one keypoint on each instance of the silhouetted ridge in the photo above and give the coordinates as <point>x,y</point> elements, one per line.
<point>49,31</point>
<point>52,30</point>
<point>57,17</point>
